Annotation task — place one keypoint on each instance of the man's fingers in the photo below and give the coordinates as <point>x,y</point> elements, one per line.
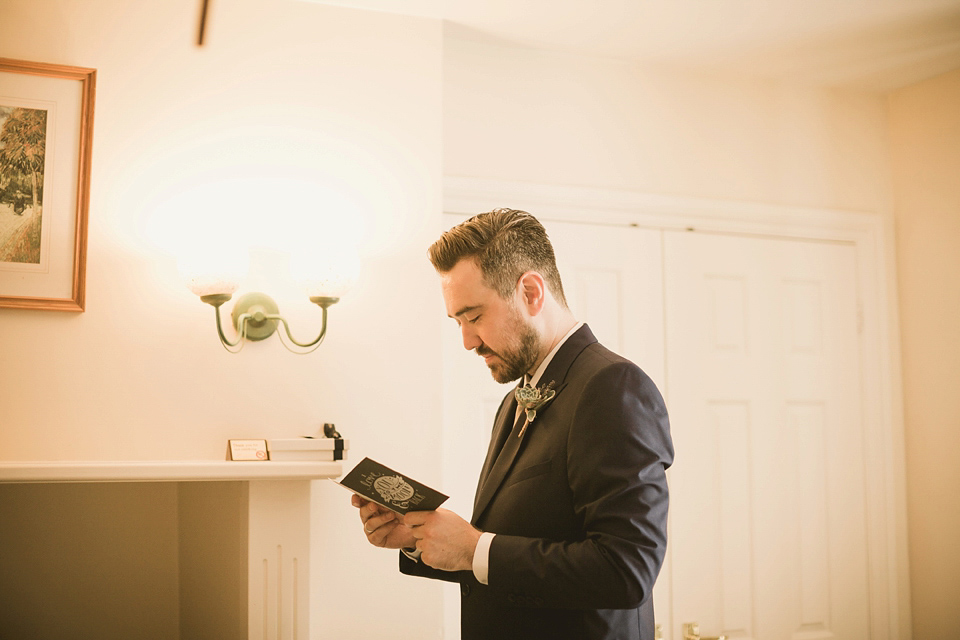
<point>416,518</point>
<point>380,535</point>
<point>374,522</point>
<point>371,509</point>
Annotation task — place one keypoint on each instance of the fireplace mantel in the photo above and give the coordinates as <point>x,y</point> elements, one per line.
<point>257,514</point>
<point>165,471</point>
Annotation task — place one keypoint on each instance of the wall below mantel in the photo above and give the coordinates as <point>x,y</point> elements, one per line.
<point>72,552</point>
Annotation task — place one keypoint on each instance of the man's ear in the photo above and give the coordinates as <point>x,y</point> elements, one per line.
<point>533,291</point>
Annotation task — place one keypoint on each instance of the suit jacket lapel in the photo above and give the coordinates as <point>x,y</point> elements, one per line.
<point>498,471</point>
<point>497,465</point>
<point>501,430</point>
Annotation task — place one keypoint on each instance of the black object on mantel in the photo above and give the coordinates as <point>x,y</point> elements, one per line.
<point>330,431</point>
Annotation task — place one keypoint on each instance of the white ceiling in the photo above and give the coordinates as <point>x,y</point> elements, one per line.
<point>867,44</point>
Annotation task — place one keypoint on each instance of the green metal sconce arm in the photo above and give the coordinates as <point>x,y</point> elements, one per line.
<point>309,345</point>
<point>255,317</point>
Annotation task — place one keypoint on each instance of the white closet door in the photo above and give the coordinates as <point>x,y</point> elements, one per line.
<point>768,525</point>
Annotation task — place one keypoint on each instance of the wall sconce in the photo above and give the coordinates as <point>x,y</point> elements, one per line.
<point>255,316</point>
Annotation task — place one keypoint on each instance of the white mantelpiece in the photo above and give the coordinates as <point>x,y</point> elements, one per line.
<point>217,500</point>
<point>165,471</point>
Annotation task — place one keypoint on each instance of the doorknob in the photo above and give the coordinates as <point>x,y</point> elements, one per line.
<point>691,631</point>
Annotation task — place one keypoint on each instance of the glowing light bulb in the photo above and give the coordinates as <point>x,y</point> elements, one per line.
<point>325,271</point>
<point>212,271</point>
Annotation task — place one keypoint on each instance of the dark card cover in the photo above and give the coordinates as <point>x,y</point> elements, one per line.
<point>399,493</point>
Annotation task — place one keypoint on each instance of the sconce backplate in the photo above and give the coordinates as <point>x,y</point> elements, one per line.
<point>258,305</point>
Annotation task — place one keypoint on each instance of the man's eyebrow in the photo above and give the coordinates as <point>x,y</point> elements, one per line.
<point>465,310</point>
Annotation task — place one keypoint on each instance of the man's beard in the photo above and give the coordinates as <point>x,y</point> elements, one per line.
<point>514,362</point>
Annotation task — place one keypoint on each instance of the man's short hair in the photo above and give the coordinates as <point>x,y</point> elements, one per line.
<point>506,243</point>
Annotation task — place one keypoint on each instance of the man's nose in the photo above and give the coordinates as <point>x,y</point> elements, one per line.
<point>470,339</point>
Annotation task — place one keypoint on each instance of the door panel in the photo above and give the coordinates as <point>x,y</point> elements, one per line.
<point>768,533</point>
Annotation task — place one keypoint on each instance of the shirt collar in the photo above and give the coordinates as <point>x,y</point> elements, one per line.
<point>535,379</point>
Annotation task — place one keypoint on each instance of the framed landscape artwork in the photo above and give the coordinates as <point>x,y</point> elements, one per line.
<point>46,130</point>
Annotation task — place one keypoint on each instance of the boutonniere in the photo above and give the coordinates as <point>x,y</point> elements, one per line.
<point>532,398</point>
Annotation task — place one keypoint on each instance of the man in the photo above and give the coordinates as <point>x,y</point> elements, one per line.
<point>569,525</point>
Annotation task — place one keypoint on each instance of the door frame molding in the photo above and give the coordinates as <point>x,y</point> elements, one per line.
<point>872,236</point>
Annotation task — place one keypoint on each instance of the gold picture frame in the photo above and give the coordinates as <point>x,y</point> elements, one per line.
<point>46,135</point>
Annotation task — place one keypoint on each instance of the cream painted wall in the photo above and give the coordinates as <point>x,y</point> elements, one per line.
<point>294,116</point>
<point>528,115</point>
<point>925,139</point>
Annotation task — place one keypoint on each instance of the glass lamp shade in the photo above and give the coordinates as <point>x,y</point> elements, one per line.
<point>214,272</point>
<point>325,272</point>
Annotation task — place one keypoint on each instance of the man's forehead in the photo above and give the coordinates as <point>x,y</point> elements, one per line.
<point>466,274</point>
<point>463,288</point>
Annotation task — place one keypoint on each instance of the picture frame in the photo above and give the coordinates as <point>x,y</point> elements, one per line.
<point>46,136</point>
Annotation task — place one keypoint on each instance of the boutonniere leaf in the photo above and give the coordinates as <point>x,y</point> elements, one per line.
<point>532,398</point>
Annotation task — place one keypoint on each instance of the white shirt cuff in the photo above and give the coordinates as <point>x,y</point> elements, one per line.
<point>481,557</point>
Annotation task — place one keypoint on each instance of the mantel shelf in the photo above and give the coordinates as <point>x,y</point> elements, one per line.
<point>165,471</point>
<point>240,528</point>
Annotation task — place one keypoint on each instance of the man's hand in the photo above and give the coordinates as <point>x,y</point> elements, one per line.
<point>446,540</point>
<point>383,527</point>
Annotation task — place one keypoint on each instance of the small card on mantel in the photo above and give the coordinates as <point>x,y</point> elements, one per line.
<point>247,450</point>
<point>372,481</point>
